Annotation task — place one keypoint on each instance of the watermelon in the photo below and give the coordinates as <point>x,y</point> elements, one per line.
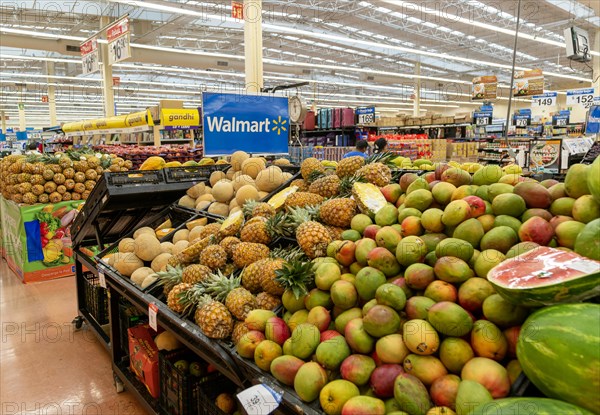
<point>528,406</point>
<point>546,276</point>
<point>559,351</point>
<point>588,240</point>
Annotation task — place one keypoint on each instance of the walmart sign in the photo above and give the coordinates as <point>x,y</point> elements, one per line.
<point>253,123</point>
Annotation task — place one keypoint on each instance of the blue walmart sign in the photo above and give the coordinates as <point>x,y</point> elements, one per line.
<point>253,123</point>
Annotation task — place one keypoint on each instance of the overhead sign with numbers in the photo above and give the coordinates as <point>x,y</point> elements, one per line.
<point>547,99</point>
<point>483,117</point>
<point>117,36</point>
<point>582,97</point>
<point>90,55</point>
<point>366,115</point>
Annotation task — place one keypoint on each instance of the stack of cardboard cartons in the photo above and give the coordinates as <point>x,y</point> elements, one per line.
<point>438,149</point>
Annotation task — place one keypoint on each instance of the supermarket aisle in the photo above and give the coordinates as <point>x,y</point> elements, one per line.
<point>45,366</point>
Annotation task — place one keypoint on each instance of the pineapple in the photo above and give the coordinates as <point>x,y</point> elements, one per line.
<point>288,253</point>
<point>368,197</point>
<point>348,166</point>
<point>245,253</point>
<point>327,186</point>
<point>296,277</point>
<point>66,197</point>
<point>192,252</point>
<point>55,197</point>
<point>239,329</point>
<point>253,208</point>
<point>338,212</point>
<point>312,237</point>
<point>50,187</point>
<point>251,276</point>
<point>214,257</point>
<point>169,278</point>
<point>301,184</point>
<point>48,174</point>
<point>37,189</point>
<point>175,296</point>
<point>335,232</point>
<point>65,162</point>
<point>238,300</point>
<point>303,199</point>
<point>267,276</point>
<point>266,301</point>
<point>266,230</point>
<point>213,318</point>
<point>43,198</point>
<point>195,273</point>
<point>232,225</point>
<point>212,229</point>
<point>59,178</point>
<point>91,174</point>
<point>228,243</point>
<point>376,173</point>
<point>29,198</point>
<point>310,165</point>
<point>79,177</point>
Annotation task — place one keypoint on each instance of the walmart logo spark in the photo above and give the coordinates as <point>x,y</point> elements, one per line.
<point>279,125</point>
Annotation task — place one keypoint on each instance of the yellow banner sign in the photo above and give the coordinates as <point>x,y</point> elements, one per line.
<point>136,119</point>
<point>172,117</point>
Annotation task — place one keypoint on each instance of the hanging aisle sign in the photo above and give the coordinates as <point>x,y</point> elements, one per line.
<point>179,117</point>
<point>257,124</point>
<point>547,99</point>
<point>485,87</point>
<point>528,83</point>
<point>366,115</point>
<point>117,36</point>
<point>90,55</point>
<point>582,97</point>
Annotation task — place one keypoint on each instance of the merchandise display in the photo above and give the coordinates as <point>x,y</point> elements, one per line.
<point>290,208</point>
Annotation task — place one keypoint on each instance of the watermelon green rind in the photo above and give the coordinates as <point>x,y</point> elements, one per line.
<point>528,406</point>
<point>513,280</point>
<point>559,351</point>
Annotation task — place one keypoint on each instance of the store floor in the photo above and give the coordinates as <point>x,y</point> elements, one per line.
<point>46,367</point>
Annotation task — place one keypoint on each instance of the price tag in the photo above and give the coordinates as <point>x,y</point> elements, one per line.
<point>259,400</point>
<point>561,122</point>
<point>90,63</point>
<point>101,279</point>
<point>581,97</point>
<point>482,120</point>
<point>366,118</point>
<point>119,50</point>
<point>542,101</point>
<point>152,312</point>
<point>521,122</point>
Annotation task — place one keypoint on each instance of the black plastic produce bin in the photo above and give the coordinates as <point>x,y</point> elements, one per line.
<point>206,392</point>
<point>176,386</point>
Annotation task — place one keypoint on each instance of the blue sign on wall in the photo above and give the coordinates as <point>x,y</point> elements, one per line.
<point>257,124</point>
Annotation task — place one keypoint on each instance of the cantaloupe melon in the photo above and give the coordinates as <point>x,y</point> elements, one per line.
<point>218,208</point>
<point>127,263</point>
<point>253,166</point>
<point>235,209</point>
<point>282,162</point>
<point>287,176</point>
<point>223,191</point>
<point>187,202</point>
<point>194,233</point>
<point>147,247</point>
<point>149,280</point>
<point>139,275</point>
<point>230,173</point>
<point>196,222</point>
<point>181,235</point>
<point>233,203</point>
<point>167,247</point>
<point>203,204</point>
<point>196,190</point>
<point>145,229</point>
<point>126,245</point>
<point>262,195</point>
<point>167,341</point>
<point>242,180</point>
<point>269,179</point>
<point>207,197</point>
<point>180,246</point>
<point>215,176</point>
<point>160,262</point>
<point>245,193</point>
<point>238,158</point>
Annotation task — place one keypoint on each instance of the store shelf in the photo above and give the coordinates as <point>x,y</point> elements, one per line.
<point>135,387</point>
<point>327,130</point>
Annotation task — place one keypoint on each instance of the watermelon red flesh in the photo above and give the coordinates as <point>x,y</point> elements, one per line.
<point>546,276</point>
<point>559,351</point>
<point>528,406</point>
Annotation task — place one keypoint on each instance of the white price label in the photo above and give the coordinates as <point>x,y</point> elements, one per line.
<point>521,122</point>
<point>366,118</point>
<point>90,62</point>
<point>101,279</point>
<point>584,100</point>
<point>482,120</point>
<point>543,101</point>
<point>119,50</point>
<point>259,400</point>
<point>561,122</point>
<point>152,313</point>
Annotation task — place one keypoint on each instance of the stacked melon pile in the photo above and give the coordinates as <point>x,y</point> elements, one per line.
<point>249,178</point>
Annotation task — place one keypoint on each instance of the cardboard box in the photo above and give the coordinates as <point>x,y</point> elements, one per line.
<point>143,357</point>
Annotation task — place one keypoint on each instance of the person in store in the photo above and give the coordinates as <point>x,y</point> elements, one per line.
<point>380,145</point>
<point>361,148</point>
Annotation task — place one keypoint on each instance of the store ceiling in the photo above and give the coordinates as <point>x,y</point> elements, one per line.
<point>356,52</point>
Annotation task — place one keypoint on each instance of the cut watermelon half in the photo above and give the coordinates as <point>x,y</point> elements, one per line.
<point>546,276</point>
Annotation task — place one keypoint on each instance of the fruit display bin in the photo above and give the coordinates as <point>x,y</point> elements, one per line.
<point>192,173</point>
<point>177,387</point>
<point>205,393</point>
<point>96,298</point>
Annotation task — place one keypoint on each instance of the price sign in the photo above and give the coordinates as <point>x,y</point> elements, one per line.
<point>366,115</point>
<point>117,36</point>
<point>90,56</point>
<point>581,97</point>
<point>482,121</point>
<point>522,121</point>
<point>545,100</point>
<point>101,279</point>
<point>259,400</point>
<point>152,313</point>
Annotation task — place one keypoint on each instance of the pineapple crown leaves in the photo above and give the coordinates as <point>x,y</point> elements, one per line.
<point>296,276</point>
<point>385,158</point>
<point>219,286</point>
<point>289,254</point>
<point>280,224</point>
<point>299,215</point>
<point>248,207</point>
<point>170,277</point>
<point>347,182</point>
<point>314,175</point>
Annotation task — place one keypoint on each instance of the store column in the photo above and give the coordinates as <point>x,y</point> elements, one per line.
<point>596,65</point>
<point>253,45</point>
<point>51,94</point>
<point>3,116</point>
<point>107,77</point>
<point>417,93</point>
<point>22,119</point>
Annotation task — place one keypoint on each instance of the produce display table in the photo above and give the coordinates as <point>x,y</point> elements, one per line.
<point>36,240</point>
